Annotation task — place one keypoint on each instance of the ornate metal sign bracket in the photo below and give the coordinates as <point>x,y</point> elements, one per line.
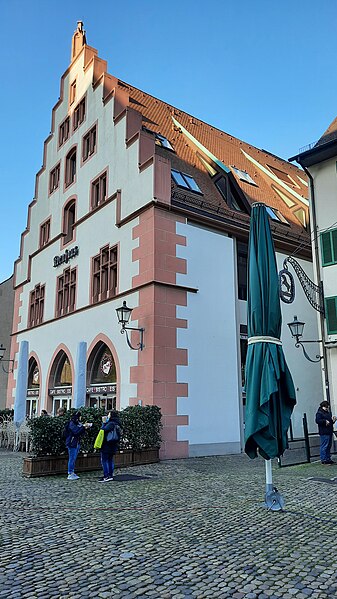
<point>313,292</point>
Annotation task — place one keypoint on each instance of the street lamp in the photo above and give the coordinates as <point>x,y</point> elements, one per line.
<point>2,353</point>
<point>296,328</point>
<point>123,315</point>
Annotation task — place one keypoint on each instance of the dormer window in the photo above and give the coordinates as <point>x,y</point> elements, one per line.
<point>185,181</point>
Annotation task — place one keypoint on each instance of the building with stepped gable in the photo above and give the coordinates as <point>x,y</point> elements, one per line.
<point>138,201</point>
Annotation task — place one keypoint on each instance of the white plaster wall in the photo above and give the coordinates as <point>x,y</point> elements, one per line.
<point>325,184</point>
<point>137,187</point>
<point>212,373</point>
<point>306,376</point>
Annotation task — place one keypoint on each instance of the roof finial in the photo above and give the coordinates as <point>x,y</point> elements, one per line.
<point>78,41</point>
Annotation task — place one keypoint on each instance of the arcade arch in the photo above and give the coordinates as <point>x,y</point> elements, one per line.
<point>101,378</point>
<point>60,383</point>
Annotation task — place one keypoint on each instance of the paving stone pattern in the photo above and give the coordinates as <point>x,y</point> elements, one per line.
<point>184,529</point>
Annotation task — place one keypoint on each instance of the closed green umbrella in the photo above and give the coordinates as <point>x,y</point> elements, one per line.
<point>270,392</point>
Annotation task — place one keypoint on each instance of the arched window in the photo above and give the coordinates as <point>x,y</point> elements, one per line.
<point>33,389</point>
<point>62,371</point>
<point>101,378</point>
<point>102,367</point>
<point>60,384</point>
<point>69,215</point>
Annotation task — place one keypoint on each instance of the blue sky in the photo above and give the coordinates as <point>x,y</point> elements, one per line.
<point>262,71</point>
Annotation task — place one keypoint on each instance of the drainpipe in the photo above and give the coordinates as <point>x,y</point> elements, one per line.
<point>319,281</point>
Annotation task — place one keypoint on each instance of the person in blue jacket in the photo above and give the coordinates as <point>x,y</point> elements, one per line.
<point>112,428</point>
<point>75,430</point>
<point>325,422</point>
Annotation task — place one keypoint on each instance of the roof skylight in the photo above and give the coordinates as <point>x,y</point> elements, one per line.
<point>185,181</point>
<point>244,176</point>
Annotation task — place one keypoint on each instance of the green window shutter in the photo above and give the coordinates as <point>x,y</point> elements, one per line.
<point>334,244</point>
<point>326,248</point>
<point>331,314</point>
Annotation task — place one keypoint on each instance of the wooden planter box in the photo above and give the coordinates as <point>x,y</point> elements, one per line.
<point>58,464</point>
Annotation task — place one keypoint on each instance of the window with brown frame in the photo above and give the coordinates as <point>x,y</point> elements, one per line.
<point>44,233</point>
<point>99,190</point>
<point>36,306</point>
<point>70,173</point>
<point>64,131</point>
<point>89,144</point>
<point>104,274</point>
<point>72,95</point>
<point>69,214</point>
<point>66,292</point>
<point>54,178</point>
<point>79,114</point>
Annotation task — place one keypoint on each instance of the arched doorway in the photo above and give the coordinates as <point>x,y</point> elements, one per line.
<point>101,376</point>
<point>60,383</point>
<point>33,389</point>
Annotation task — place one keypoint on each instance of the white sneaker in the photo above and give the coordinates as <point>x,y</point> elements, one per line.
<point>73,476</point>
<point>104,480</point>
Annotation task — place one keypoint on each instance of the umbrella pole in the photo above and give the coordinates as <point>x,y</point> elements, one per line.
<point>273,499</point>
<point>269,476</point>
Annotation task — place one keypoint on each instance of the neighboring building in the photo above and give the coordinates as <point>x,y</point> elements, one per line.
<point>320,163</point>
<point>139,201</point>
<point>6,321</point>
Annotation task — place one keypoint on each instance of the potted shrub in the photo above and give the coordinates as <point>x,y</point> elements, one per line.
<point>139,444</point>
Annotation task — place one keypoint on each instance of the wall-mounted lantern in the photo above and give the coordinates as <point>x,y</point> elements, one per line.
<point>123,315</point>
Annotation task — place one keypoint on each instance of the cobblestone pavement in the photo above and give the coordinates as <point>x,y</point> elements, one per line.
<point>191,529</point>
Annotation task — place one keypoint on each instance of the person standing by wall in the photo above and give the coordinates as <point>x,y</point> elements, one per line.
<point>325,422</point>
<point>75,430</point>
<point>112,434</point>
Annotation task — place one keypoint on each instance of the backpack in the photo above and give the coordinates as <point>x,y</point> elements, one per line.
<point>114,434</point>
<point>65,431</point>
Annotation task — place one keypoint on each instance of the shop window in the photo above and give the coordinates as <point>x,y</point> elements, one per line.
<point>70,173</point>
<point>79,114</point>
<point>104,273</point>
<point>36,306</point>
<point>89,144</point>
<point>54,178</point>
<point>66,292</point>
<point>64,130</point>
<point>69,216</point>
<point>99,190</point>
<point>44,233</point>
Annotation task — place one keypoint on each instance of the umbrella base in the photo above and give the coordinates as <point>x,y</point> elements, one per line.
<point>273,499</point>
